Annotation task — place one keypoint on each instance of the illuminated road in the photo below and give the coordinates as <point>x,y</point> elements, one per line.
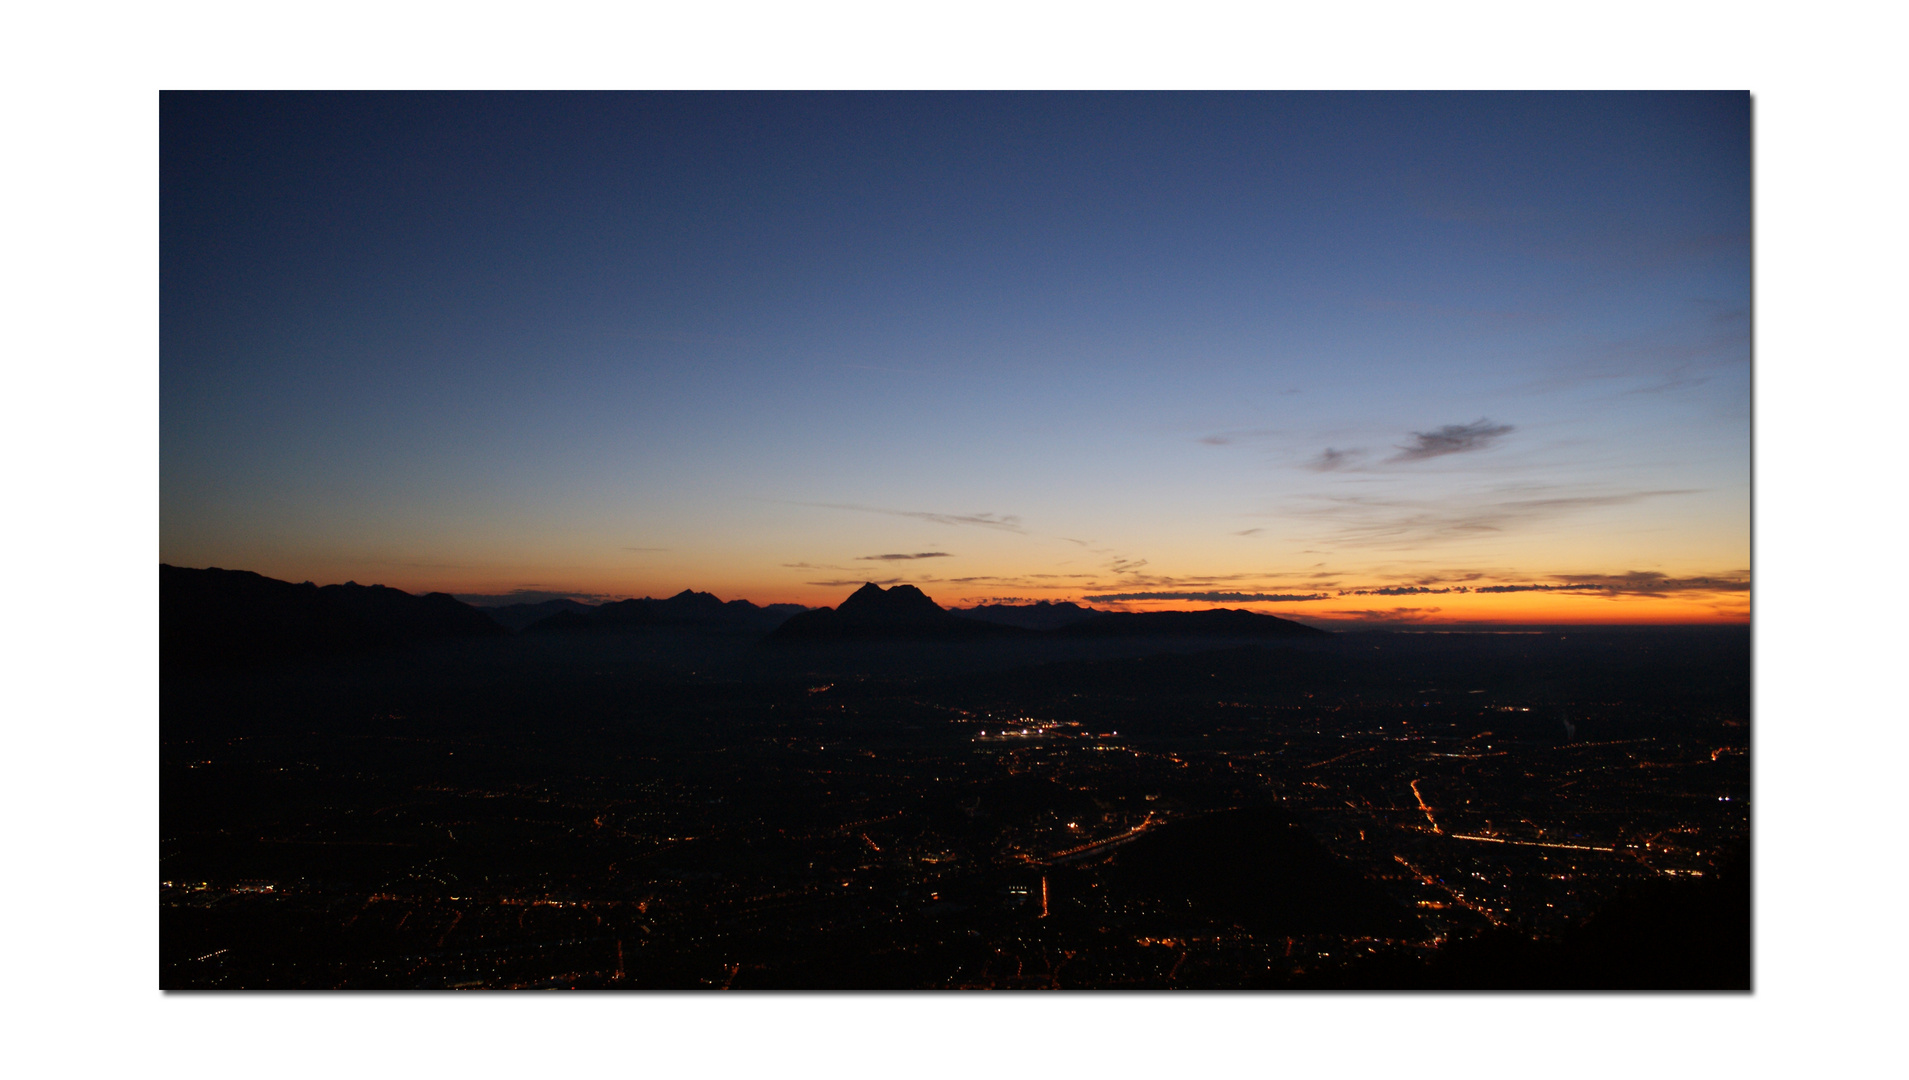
<point>1529,843</point>
<point>1427,809</point>
<point>1088,851</point>
<point>1427,879</point>
<point>1342,757</point>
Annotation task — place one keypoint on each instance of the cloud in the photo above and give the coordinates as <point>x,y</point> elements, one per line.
<point>1249,532</point>
<point>892,558</point>
<point>1225,438</point>
<point>1004,522</point>
<point>1182,582</point>
<point>1467,575</point>
<point>1451,439</point>
<point>1330,459</point>
<point>851,583</point>
<point>1122,566</point>
<point>1210,597</point>
<point>1391,615</point>
<point>1687,353</point>
<point>1366,521</point>
<point>1652,583</point>
<point>1634,583</point>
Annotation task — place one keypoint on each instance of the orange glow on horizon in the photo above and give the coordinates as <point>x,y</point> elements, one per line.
<point>1528,608</point>
<point>1334,610</point>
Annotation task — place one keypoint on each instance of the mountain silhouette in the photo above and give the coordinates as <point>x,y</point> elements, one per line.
<point>215,617</point>
<point>1040,615</point>
<point>689,609</point>
<point>901,613</point>
<point>225,618</point>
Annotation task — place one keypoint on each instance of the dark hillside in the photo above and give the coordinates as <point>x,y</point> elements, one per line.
<point>1037,616</point>
<point>518,616</point>
<point>1217,623</point>
<point>235,618</point>
<point>1255,867</point>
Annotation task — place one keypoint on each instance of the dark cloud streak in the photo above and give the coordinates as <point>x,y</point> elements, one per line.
<point>1210,597</point>
<point>1004,522</point>
<point>1480,434</point>
<point>1397,523</point>
<point>1330,460</point>
<point>898,557</point>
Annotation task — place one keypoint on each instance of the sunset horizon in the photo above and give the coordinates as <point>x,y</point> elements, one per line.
<point>1415,358</point>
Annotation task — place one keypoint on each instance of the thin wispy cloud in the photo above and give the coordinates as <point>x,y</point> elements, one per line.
<point>1190,582</point>
<point>1634,583</point>
<point>899,557</point>
<point>1003,522</point>
<point>1451,439</point>
<point>1388,615</point>
<point>1679,356</point>
<point>1211,597</point>
<point>1371,521</point>
<point>1227,438</point>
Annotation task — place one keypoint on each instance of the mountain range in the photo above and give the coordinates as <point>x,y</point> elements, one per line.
<point>903,612</point>
<point>217,618</point>
<point>688,608</point>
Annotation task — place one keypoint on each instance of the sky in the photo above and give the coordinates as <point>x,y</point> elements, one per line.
<point>1349,358</point>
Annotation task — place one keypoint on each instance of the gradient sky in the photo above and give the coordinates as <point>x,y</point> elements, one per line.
<point>1422,358</point>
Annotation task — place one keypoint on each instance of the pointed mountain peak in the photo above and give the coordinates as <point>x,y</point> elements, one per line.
<point>902,612</point>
